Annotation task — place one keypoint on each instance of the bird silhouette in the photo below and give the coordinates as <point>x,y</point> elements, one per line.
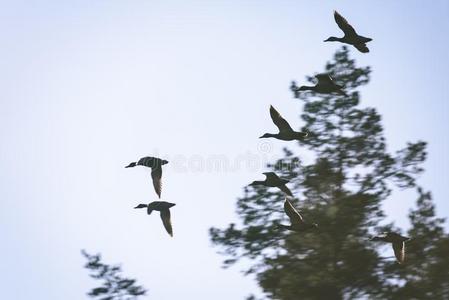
<point>297,222</point>
<point>351,37</point>
<point>272,180</point>
<point>164,209</point>
<point>286,133</point>
<point>325,85</point>
<point>156,170</point>
<point>397,241</point>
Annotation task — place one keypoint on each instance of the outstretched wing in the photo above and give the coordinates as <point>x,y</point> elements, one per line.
<point>286,190</point>
<point>399,251</point>
<point>343,24</point>
<point>292,213</point>
<point>165,216</point>
<point>156,174</point>
<point>324,79</point>
<point>362,48</point>
<point>279,121</point>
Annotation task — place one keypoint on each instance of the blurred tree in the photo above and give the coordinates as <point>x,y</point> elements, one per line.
<point>114,286</point>
<point>341,188</point>
<point>426,274</point>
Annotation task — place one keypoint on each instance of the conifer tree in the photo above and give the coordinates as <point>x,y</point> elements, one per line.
<point>114,285</point>
<point>425,274</point>
<point>341,189</point>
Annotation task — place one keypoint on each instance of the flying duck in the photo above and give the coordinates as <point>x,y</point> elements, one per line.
<point>296,220</point>
<point>286,133</point>
<point>156,170</point>
<point>351,37</point>
<point>272,180</point>
<point>325,85</point>
<point>397,241</point>
<point>164,208</point>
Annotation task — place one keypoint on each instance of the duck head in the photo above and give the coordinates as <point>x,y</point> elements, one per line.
<point>266,135</point>
<point>332,39</point>
<point>133,164</point>
<point>378,238</point>
<point>141,206</point>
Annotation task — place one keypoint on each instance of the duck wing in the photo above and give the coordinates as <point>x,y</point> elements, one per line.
<point>166,220</point>
<point>155,205</point>
<point>286,190</point>
<point>324,79</point>
<point>292,213</point>
<point>399,251</point>
<point>344,25</point>
<point>362,47</point>
<point>279,121</point>
<point>156,174</point>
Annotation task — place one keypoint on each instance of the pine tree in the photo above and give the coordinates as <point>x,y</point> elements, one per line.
<point>341,189</point>
<point>114,286</point>
<point>425,275</point>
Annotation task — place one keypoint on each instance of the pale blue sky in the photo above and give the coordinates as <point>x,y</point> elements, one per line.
<point>88,86</point>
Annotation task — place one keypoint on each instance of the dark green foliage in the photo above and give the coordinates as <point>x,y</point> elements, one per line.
<point>342,190</point>
<point>426,274</point>
<point>114,286</point>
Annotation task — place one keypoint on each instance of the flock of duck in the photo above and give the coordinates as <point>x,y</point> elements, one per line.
<point>325,85</point>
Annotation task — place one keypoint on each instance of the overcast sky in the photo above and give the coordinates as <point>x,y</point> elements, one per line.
<point>89,86</point>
